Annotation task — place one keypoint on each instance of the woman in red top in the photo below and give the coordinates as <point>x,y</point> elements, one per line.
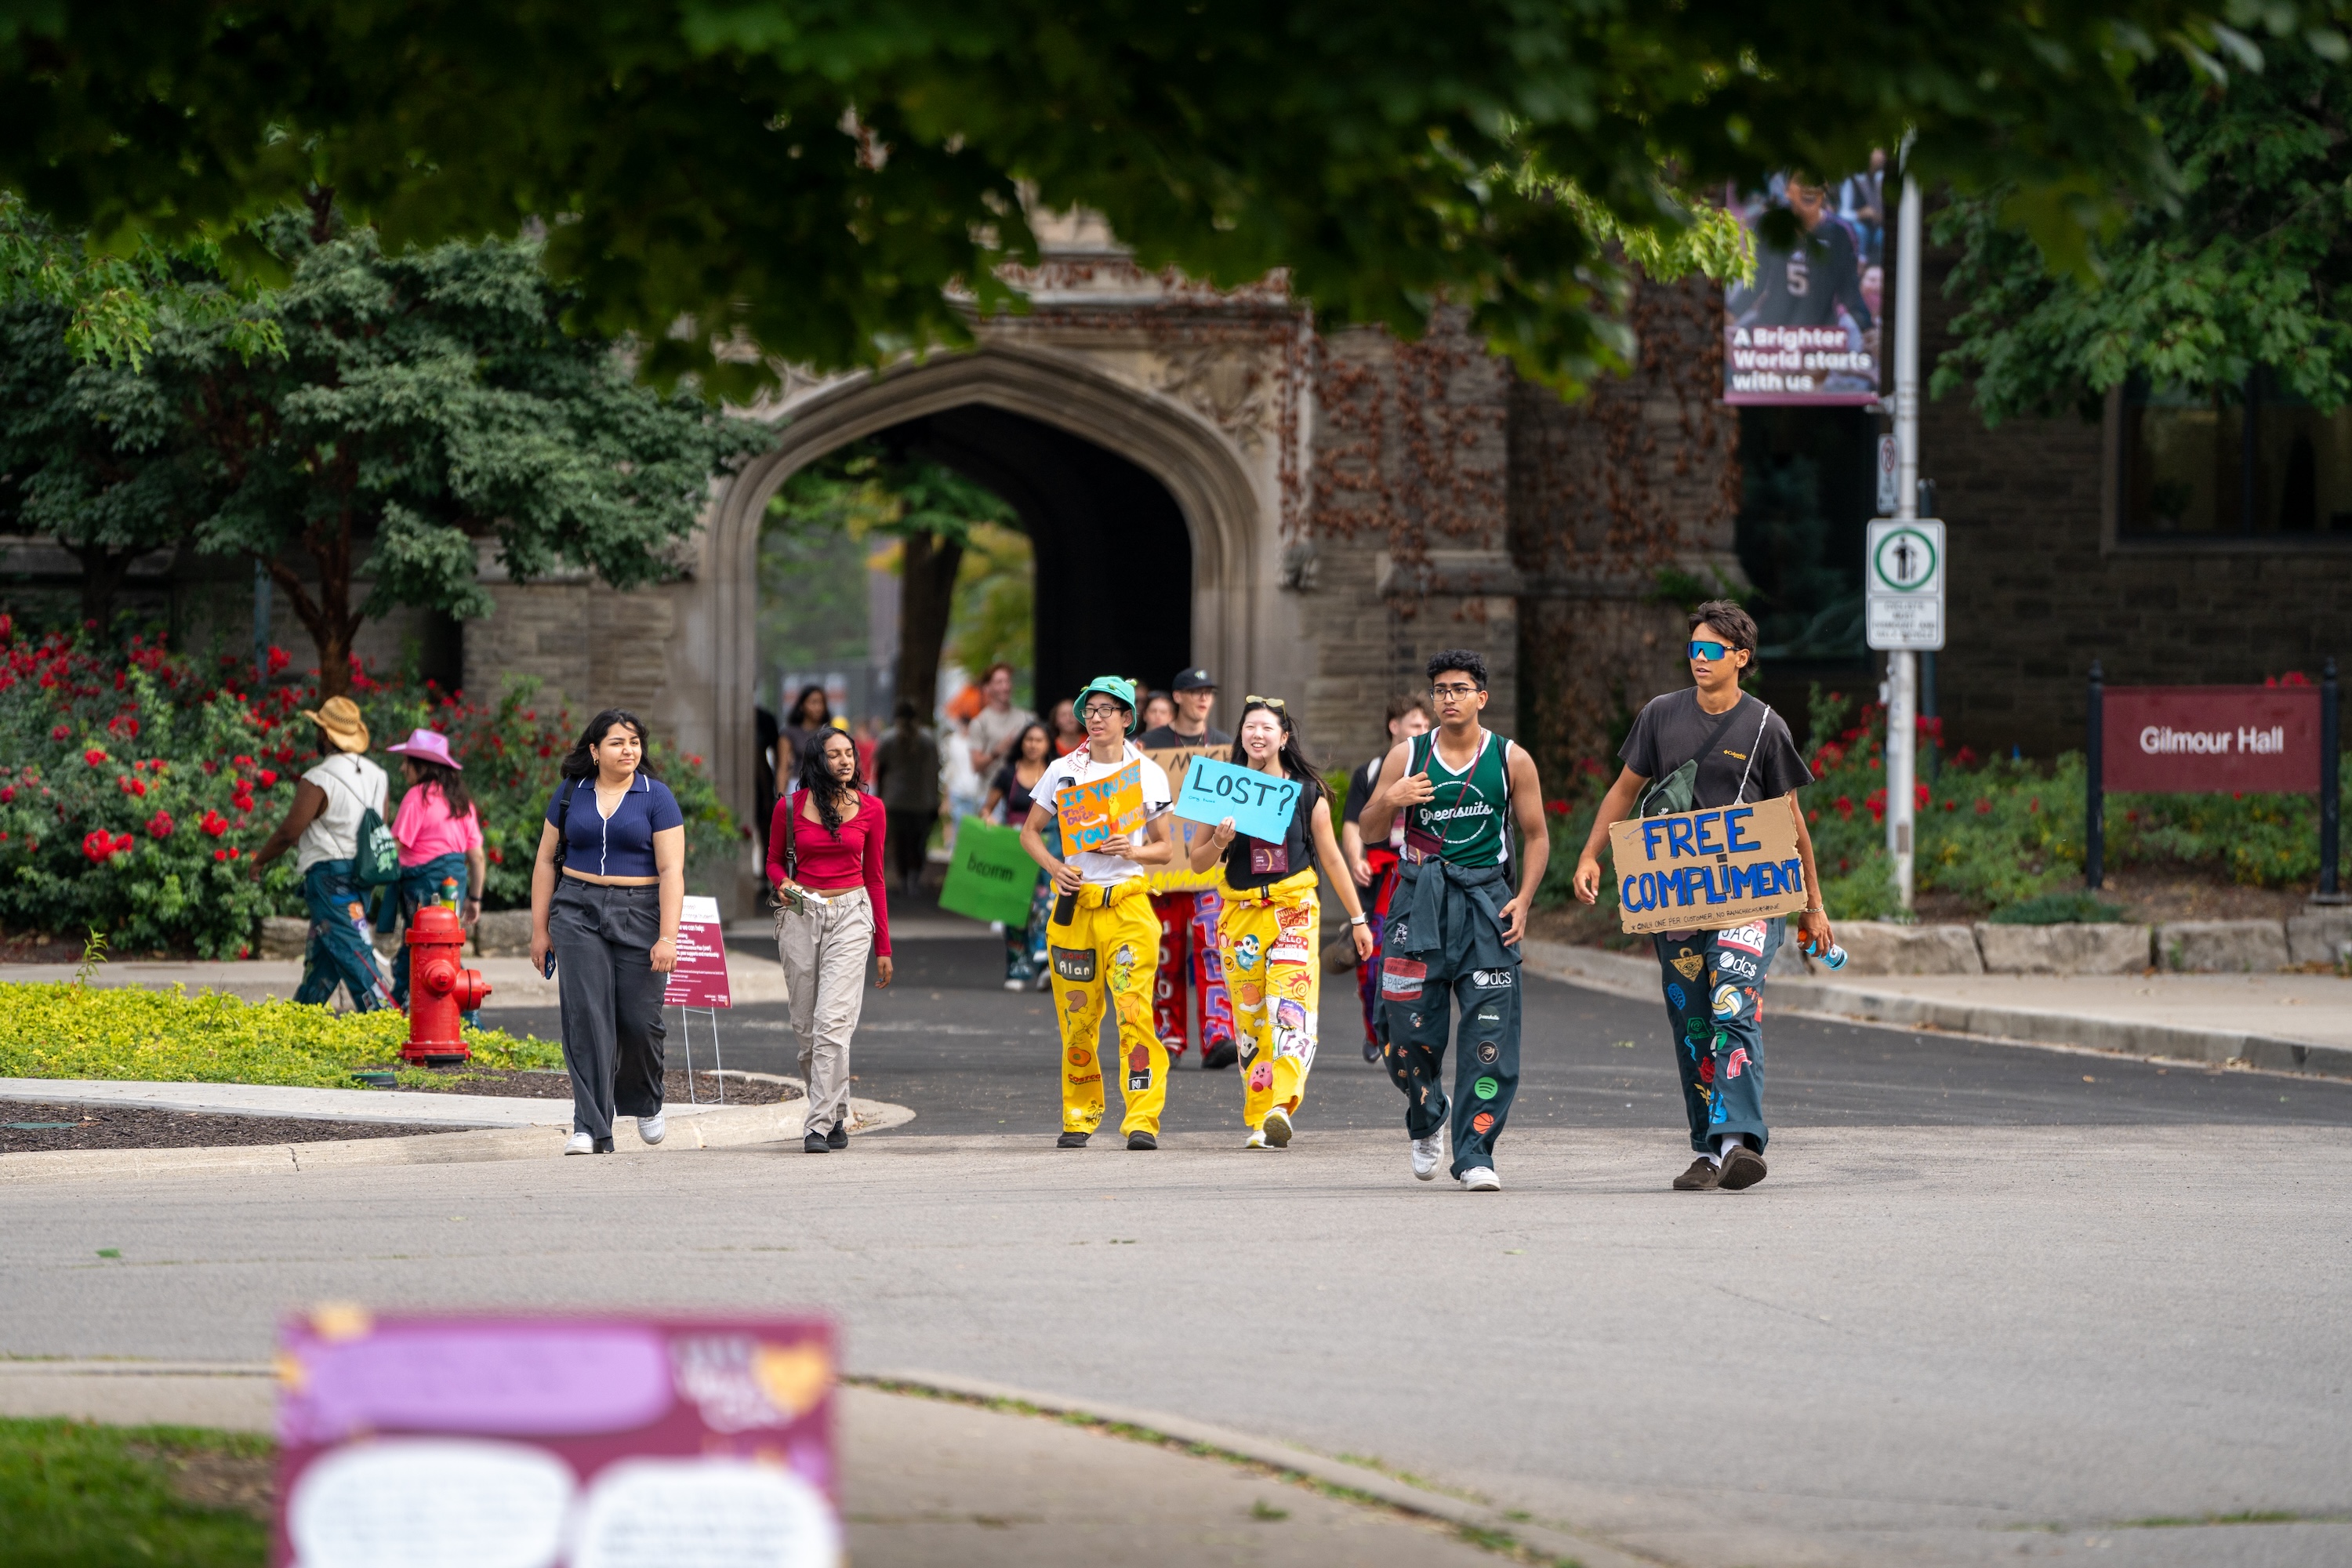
<point>825,860</point>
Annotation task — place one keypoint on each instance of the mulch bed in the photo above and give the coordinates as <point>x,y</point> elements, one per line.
<point>135,1127</point>
<point>536,1084</point>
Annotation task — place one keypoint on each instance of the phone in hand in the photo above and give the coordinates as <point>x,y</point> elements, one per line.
<point>547,970</point>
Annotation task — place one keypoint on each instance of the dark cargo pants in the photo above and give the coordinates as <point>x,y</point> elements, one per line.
<point>612,1024</point>
<point>1714,984</point>
<point>1426,975</point>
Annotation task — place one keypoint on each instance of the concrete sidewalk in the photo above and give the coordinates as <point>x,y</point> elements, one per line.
<point>928,1479</point>
<point>2286,1023</point>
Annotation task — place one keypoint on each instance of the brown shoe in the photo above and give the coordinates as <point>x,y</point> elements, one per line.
<point>1743,1167</point>
<point>1700,1178</point>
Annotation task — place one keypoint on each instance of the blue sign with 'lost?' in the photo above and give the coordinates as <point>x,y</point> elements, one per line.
<point>1259,804</point>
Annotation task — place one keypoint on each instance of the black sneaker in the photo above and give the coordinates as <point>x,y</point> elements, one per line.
<point>1071,1141</point>
<point>1141,1141</point>
<point>839,1137</point>
<point>815,1143</point>
<point>1742,1167</point>
<point>1700,1178</point>
<point>1372,1050</point>
<point>603,1145</point>
<point>1221,1055</point>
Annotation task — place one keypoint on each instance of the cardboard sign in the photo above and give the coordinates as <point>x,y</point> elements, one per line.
<point>2258,740</point>
<point>571,1442</point>
<point>1178,876</point>
<point>701,978</point>
<point>1704,870</point>
<point>1260,803</point>
<point>1111,806</point>
<point>991,877</point>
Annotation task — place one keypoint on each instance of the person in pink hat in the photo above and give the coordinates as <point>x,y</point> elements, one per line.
<point>440,837</point>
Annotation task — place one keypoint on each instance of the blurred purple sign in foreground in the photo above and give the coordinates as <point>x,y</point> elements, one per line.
<point>547,1442</point>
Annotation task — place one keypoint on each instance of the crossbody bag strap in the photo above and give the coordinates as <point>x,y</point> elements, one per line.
<point>1753,747</point>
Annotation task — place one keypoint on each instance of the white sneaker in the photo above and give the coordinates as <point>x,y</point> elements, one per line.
<point>1481,1179</point>
<point>1016,985</point>
<point>651,1127</point>
<point>1427,1152</point>
<point>581,1144</point>
<point>1257,1139</point>
<point>1277,1127</point>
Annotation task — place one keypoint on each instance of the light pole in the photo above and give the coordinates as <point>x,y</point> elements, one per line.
<point>1902,664</point>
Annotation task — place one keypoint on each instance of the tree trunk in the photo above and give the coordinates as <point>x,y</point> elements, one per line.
<point>101,576</point>
<point>927,575</point>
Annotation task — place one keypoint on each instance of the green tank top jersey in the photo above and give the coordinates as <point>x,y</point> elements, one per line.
<point>1467,821</point>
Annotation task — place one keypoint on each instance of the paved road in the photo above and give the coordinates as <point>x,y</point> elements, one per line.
<point>949,1041</point>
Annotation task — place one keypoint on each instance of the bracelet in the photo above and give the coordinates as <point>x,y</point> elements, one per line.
<point>1359,920</point>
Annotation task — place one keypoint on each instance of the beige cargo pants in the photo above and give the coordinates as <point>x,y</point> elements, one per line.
<point>824,949</point>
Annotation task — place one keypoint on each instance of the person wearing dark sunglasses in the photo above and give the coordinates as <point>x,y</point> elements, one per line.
<point>1713,746</point>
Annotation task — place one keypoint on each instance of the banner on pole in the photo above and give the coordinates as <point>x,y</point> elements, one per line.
<point>1807,330</point>
<point>701,978</point>
<point>1260,803</point>
<point>1704,871</point>
<point>991,876</point>
<point>589,1442</point>
<point>1111,806</point>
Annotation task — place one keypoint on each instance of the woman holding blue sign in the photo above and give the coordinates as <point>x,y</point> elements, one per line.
<point>1267,930</point>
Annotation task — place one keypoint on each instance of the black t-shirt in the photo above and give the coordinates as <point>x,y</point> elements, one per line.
<point>1361,785</point>
<point>1245,856</point>
<point>1670,730</point>
<point>1165,738</point>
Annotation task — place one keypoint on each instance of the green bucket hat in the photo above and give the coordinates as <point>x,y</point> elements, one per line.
<point>1115,688</point>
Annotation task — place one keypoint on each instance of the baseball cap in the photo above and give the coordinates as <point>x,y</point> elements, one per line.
<point>1192,680</point>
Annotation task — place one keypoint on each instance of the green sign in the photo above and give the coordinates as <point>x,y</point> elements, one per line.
<point>990,878</point>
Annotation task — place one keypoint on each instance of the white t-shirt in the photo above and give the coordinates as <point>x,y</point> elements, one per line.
<point>1080,767</point>
<point>351,784</point>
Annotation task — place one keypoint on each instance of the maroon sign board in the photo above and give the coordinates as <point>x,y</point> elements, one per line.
<point>701,978</point>
<point>2247,740</point>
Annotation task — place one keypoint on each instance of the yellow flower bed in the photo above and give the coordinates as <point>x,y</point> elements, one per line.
<point>71,1031</point>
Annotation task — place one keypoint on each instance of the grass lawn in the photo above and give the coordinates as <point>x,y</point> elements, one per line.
<point>75,1495</point>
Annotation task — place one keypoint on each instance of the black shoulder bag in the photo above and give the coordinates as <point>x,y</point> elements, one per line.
<point>1678,791</point>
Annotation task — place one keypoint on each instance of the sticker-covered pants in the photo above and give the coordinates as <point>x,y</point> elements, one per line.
<point>341,950</point>
<point>1714,984</point>
<point>1187,942</point>
<point>1267,938</point>
<point>1110,948</point>
<point>1420,986</point>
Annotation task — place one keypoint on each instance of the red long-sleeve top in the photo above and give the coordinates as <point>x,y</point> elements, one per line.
<point>835,858</point>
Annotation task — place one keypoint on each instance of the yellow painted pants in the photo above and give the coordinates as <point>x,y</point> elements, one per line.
<point>1268,938</point>
<point>1111,944</point>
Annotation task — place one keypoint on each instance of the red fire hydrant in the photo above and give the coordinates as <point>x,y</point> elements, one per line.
<point>440,988</point>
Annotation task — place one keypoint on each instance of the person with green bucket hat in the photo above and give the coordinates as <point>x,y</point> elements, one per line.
<point>1103,939</point>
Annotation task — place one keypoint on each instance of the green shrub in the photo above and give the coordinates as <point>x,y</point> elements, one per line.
<point>2080,907</point>
<point>123,1032</point>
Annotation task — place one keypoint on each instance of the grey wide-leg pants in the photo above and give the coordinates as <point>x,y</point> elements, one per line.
<point>824,949</point>
<point>612,1024</point>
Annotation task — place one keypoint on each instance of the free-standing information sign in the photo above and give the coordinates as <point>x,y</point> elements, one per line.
<point>1903,575</point>
<point>701,978</point>
<point>545,1442</point>
<point>1707,870</point>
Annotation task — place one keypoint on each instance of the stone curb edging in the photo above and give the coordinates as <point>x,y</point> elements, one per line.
<point>731,1128</point>
<point>1621,975</point>
<point>1550,1540</point>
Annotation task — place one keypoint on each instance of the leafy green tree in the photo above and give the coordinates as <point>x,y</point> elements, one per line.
<point>427,402</point>
<point>836,181</point>
<point>995,619</point>
<point>2250,269</point>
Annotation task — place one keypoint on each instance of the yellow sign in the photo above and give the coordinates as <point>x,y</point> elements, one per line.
<point>1110,806</point>
<point>1178,876</point>
<point>1704,870</point>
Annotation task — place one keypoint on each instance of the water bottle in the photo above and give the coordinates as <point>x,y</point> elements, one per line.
<point>1834,958</point>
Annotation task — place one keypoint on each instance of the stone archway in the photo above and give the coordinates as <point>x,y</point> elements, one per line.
<point>1232,533</point>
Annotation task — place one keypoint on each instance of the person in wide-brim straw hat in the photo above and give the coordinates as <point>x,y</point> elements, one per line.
<point>323,827</point>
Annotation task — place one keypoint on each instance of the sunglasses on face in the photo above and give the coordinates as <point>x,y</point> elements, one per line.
<point>1713,652</point>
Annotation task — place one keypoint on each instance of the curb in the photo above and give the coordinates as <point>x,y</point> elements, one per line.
<point>729,1129</point>
<point>1621,975</point>
<point>1495,1528</point>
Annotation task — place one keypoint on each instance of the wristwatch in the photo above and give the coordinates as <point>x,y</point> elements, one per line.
<point>1359,920</point>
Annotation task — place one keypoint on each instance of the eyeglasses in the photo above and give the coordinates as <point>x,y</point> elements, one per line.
<point>1444,692</point>
<point>1713,652</point>
<point>1255,701</point>
<point>1104,710</point>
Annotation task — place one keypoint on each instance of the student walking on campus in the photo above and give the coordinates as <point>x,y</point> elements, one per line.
<point>331,803</point>
<point>1454,925</point>
<point>440,838</point>
<point>1187,917</point>
<point>1374,867</point>
<point>1103,938</point>
<point>825,849</point>
<point>906,776</point>
<point>1712,745</point>
<point>1008,800</point>
<point>1268,922</point>
<point>606,894</point>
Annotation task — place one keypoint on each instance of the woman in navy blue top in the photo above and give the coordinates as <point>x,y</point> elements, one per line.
<point>605,898</point>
